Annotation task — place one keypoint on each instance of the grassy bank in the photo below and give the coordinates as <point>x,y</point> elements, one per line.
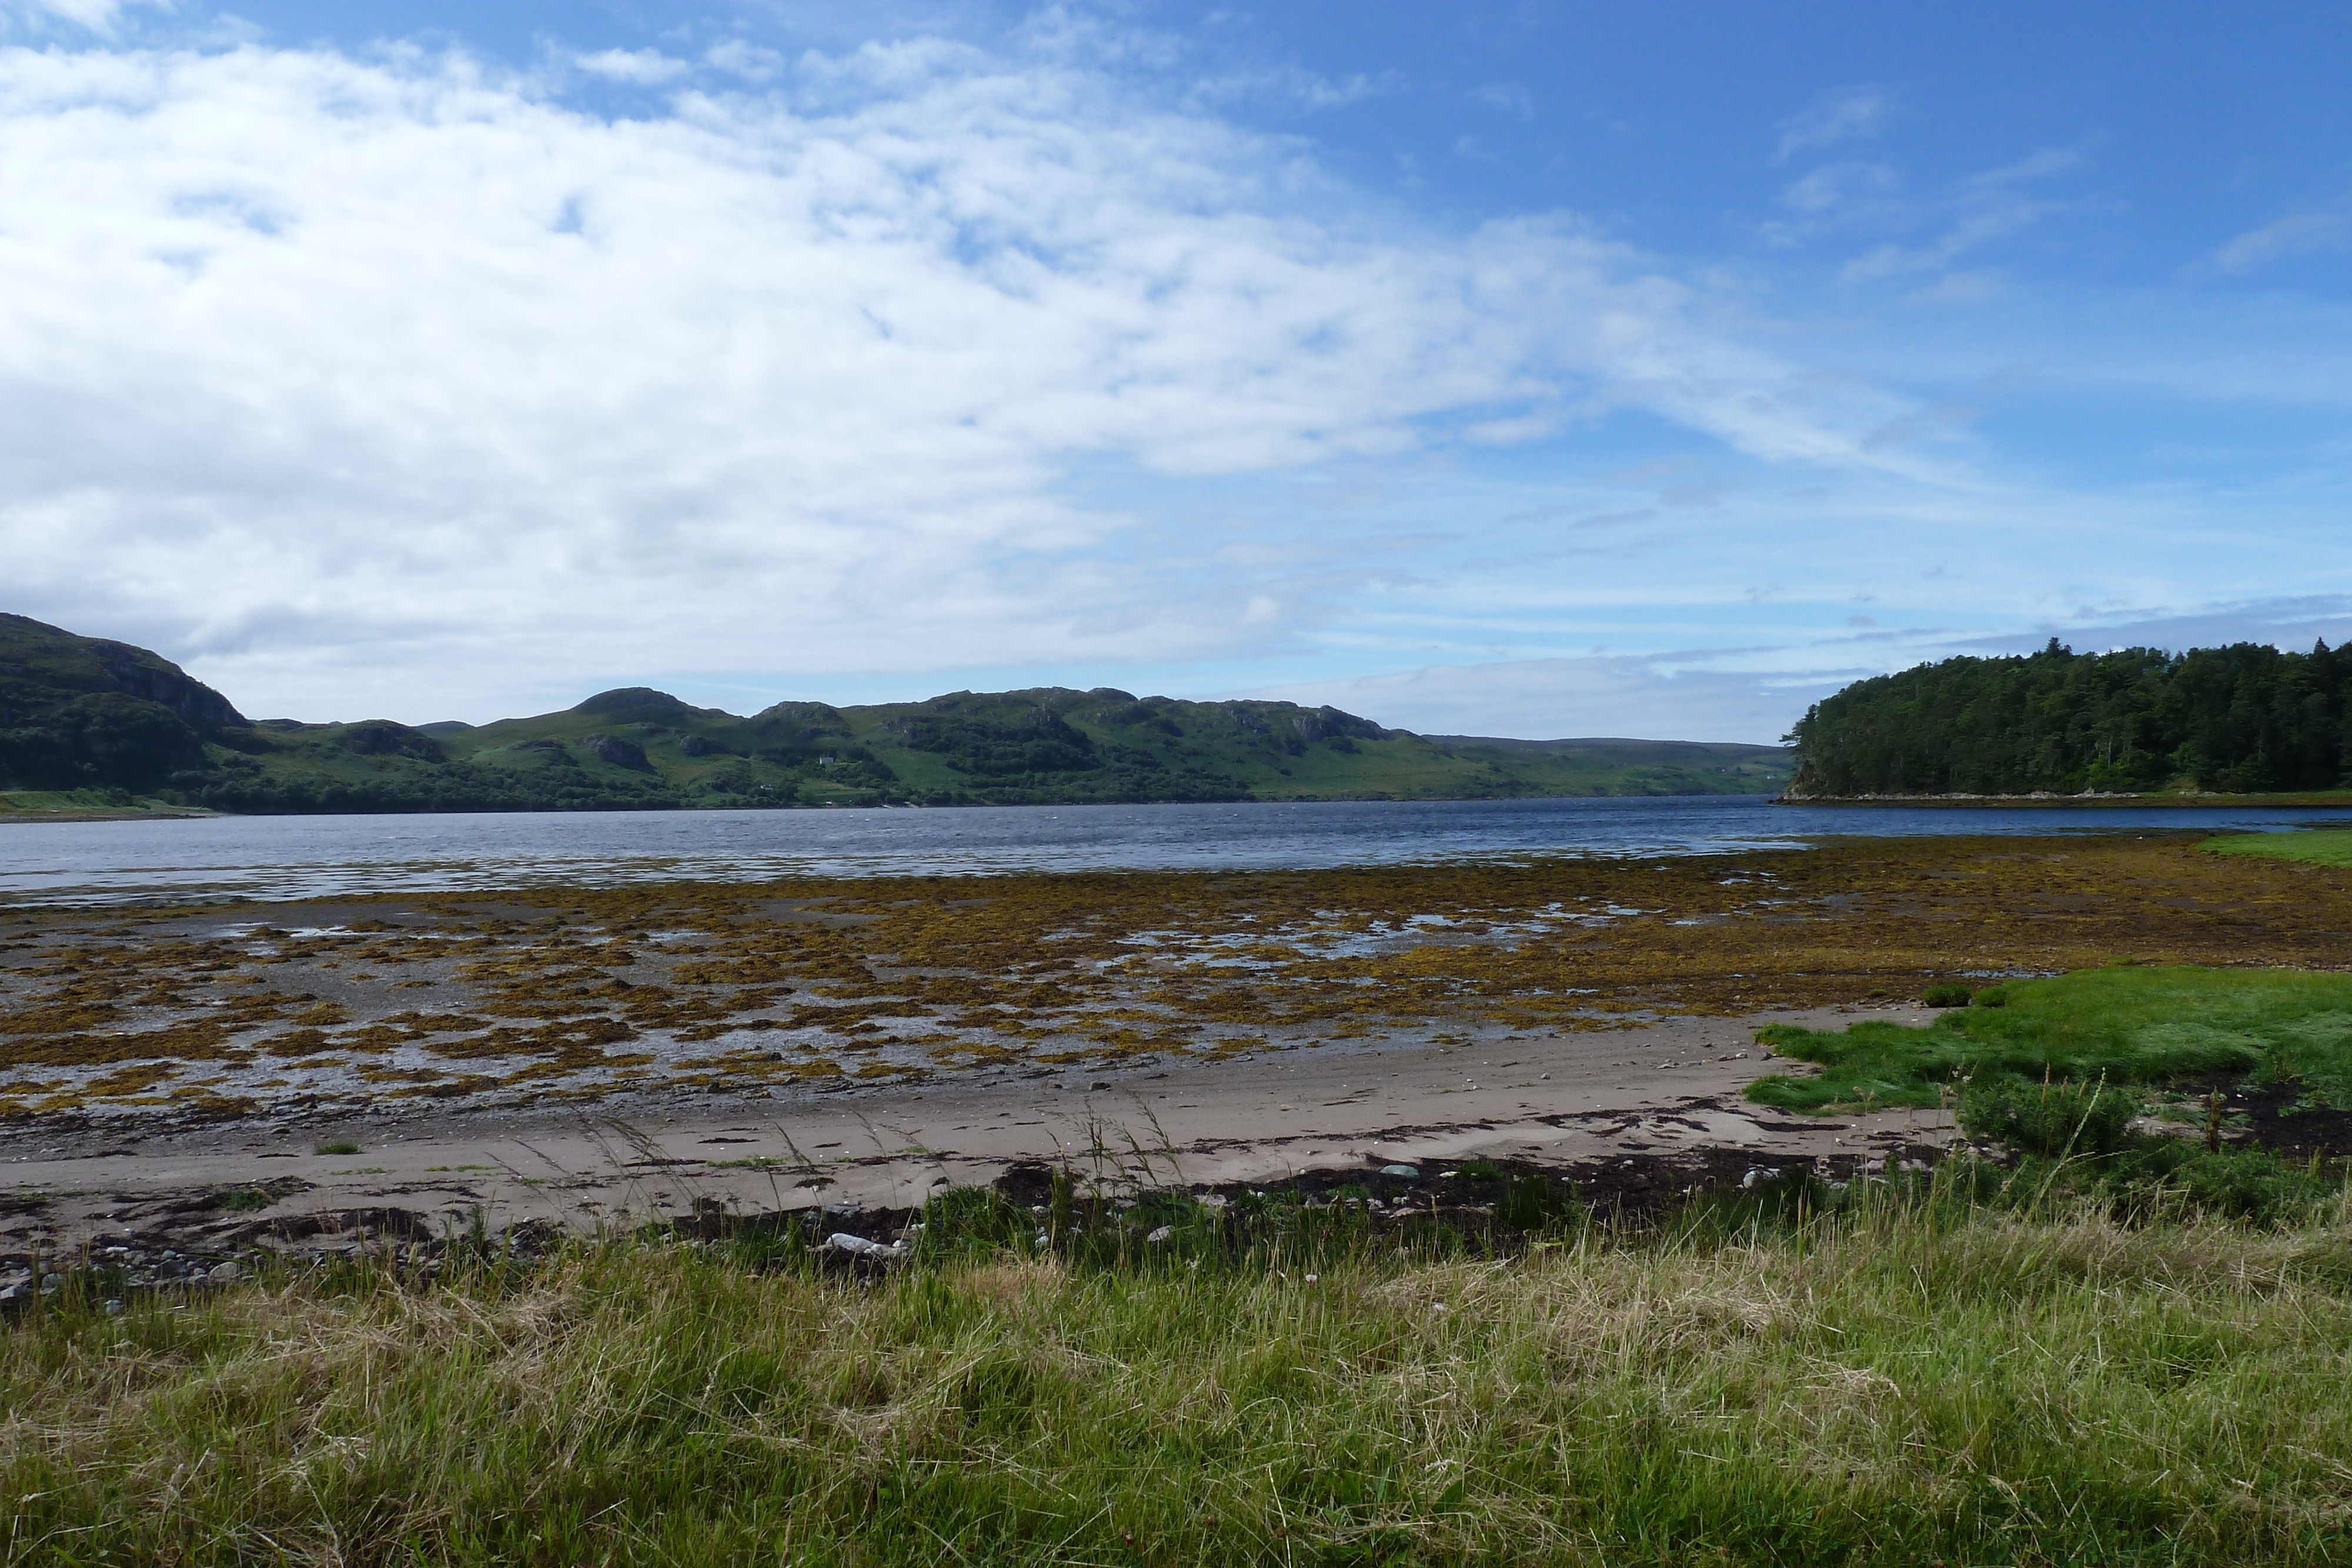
<point>85,805</point>
<point>2125,1025</point>
<point>2323,846</point>
<point>1908,1382</point>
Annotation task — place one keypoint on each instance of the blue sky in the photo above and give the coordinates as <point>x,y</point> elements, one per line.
<point>1514,369</point>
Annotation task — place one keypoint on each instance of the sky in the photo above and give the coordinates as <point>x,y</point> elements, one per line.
<point>1517,368</point>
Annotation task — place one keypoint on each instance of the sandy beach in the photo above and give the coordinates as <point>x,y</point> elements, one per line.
<point>1666,1092</point>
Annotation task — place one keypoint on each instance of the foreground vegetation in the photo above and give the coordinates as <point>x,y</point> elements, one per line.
<point>2241,718</point>
<point>1903,1378</point>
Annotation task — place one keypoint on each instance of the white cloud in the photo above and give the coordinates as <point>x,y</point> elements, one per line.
<point>1842,114</point>
<point>753,62</point>
<point>368,378</point>
<point>2299,234</point>
<point>1291,85</point>
<point>1841,188</point>
<point>1755,694</point>
<point>640,68</point>
<point>1506,97</point>
<point>1982,209</point>
<point>99,17</point>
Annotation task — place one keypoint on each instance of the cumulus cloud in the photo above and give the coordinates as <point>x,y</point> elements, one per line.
<point>642,67</point>
<point>363,376</point>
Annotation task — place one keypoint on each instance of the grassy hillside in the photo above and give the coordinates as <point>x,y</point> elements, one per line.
<point>90,715</point>
<point>637,747</point>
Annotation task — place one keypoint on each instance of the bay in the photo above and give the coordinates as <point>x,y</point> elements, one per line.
<point>205,859</point>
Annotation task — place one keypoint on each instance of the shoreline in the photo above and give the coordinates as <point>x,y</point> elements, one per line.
<point>548,1052</point>
<point>2172,801</point>
<point>1650,1101</point>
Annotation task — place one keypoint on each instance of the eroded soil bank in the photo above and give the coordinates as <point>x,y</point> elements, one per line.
<point>580,1056</point>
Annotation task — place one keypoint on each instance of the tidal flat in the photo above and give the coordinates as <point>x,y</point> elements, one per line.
<point>173,1017</point>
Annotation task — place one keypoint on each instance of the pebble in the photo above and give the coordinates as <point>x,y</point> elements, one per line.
<point>225,1273</point>
<point>1411,1173</point>
<point>1162,1234</point>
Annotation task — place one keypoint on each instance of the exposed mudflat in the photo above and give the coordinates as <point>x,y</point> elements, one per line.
<point>595,1057</point>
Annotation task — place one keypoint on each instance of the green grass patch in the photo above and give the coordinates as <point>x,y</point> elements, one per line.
<point>2320,846</point>
<point>2122,1026</point>
<point>1894,1382</point>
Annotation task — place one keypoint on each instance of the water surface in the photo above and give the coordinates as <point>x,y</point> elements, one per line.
<point>304,857</point>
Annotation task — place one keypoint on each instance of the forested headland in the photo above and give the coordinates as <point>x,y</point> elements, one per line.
<point>2246,718</point>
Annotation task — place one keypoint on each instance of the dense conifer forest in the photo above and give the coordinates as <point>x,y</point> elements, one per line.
<point>2243,719</point>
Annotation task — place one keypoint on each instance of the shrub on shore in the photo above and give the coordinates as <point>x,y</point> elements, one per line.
<point>2052,1120</point>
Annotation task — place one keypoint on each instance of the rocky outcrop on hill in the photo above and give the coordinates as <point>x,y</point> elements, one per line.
<point>83,710</point>
<point>620,753</point>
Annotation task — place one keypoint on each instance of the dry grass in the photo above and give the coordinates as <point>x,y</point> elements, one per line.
<point>1890,1386</point>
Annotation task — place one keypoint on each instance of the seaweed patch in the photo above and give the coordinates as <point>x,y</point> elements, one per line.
<point>516,996</point>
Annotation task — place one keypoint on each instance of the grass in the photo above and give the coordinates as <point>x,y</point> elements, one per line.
<point>2322,846</point>
<point>1898,1381</point>
<point>2122,1025</point>
<point>92,802</point>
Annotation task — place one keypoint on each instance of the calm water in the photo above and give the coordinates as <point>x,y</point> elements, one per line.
<point>298,857</point>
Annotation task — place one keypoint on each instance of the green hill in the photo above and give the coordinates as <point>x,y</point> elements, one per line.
<point>637,748</point>
<point>77,712</point>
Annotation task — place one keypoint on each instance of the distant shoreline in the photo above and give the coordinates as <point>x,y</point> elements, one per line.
<point>174,814</point>
<point>2170,802</point>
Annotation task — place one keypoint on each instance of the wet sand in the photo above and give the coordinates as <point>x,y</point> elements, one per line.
<point>1668,1089</point>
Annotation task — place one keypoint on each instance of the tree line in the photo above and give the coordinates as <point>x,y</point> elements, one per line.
<point>2246,718</point>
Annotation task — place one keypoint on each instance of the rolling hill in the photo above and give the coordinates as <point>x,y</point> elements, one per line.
<point>80,715</point>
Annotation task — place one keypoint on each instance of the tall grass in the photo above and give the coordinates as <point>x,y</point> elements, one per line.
<point>1901,1381</point>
